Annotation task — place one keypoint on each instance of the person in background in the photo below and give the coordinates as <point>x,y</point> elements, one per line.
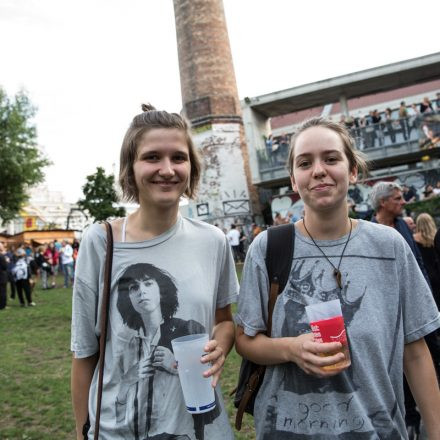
<point>426,106</point>
<point>233,237</point>
<point>403,120</point>
<point>279,219</point>
<point>3,276</point>
<point>12,258</point>
<point>389,123</point>
<point>56,251</point>
<point>387,200</point>
<point>410,222</point>
<point>242,245</point>
<point>66,257</point>
<point>48,255</point>
<point>75,247</point>
<point>378,126</point>
<point>429,192</point>
<point>255,230</point>
<point>22,276</point>
<point>409,193</point>
<point>424,237</point>
<point>44,265</point>
<point>57,266</point>
<point>413,115</point>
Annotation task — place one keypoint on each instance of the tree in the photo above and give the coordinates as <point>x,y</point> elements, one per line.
<point>100,196</point>
<point>21,161</point>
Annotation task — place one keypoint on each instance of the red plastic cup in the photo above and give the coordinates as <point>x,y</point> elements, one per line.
<point>332,330</point>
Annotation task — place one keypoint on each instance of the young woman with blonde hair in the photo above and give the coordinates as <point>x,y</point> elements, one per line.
<point>424,237</point>
<point>372,271</point>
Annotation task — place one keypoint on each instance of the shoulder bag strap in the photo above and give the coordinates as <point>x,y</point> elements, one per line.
<point>279,254</point>
<point>104,321</point>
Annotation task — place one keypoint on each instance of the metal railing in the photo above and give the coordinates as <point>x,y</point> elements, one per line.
<point>390,138</point>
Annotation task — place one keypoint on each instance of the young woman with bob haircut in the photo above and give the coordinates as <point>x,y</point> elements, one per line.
<point>311,389</point>
<point>171,276</point>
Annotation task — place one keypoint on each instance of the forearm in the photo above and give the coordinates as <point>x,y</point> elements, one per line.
<point>421,377</point>
<point>81,378</point>
<point>263,350</point>
<point>312,357</point>
<point>224,334</point>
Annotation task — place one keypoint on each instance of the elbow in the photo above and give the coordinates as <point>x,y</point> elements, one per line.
<point>241,341</point>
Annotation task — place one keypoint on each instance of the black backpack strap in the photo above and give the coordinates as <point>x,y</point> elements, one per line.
<point>279,253</point>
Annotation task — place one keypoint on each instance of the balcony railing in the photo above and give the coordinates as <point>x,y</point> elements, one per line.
<point>378,141</point>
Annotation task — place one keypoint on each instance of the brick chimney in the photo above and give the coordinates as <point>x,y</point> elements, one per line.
<point>210,102</point>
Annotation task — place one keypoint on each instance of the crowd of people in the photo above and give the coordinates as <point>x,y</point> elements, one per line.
<point>23,266</point>
<point>376,129</point>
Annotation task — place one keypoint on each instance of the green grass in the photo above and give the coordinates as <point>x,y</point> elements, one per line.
<point>35,370</point>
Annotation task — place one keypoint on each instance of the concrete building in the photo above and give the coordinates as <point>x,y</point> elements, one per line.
<point>210,102</point>
<point>402,149</point>
<point>46,209</point>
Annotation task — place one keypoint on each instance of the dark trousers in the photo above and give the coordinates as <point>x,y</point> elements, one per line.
<point>23,285</point>
<point>3,295</point>
<point>405,129</point>
<point>11,284</point>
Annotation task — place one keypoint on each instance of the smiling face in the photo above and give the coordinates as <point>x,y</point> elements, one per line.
<point>321,172</point>
<point>162,167</point>
<point>144,295</point>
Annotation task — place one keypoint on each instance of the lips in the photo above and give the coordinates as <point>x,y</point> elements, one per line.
<point>164,183</point>
<point>321,187</point>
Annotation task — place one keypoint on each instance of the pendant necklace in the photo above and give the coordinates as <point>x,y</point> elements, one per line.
<point>336,272</point>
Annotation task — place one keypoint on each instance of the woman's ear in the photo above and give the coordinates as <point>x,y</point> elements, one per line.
<point>353,176</point>
<point>292,182</point>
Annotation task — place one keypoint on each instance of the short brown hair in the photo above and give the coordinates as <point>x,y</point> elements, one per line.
<point>356,159</point>
<point>149,119</point>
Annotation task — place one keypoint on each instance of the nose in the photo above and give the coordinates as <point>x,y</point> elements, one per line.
<point>318,169</point>
<point>166,169</point>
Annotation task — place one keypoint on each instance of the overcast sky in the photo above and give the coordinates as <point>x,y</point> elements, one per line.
<point>89,64</point>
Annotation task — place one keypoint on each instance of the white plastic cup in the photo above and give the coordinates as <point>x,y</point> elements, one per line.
<point>197,390</point>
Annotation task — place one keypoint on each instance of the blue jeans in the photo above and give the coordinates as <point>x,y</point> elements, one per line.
<point>68,273</point>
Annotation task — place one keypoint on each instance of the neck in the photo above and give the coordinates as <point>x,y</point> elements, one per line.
<point>385,219</point>
<point>149,222</point>
<point>326,226</point>
<point>152,322</point>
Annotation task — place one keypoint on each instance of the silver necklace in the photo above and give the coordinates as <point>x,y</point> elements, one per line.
<point>336,272</point>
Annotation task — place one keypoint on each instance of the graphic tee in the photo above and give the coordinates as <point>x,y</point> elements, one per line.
<point>161,289</point>
<point>386,303</point>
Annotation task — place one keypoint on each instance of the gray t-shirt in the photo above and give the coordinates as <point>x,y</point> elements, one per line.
<point>161,289</point>
<point>386,303</point>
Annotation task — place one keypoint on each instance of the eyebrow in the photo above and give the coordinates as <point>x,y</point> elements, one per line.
<point>339,153</point>
<point>160,152</point>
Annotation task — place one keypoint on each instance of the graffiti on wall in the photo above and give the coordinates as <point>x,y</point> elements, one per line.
<point>223,188</point>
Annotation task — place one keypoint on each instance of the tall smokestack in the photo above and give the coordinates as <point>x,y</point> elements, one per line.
<point>210,102</point>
